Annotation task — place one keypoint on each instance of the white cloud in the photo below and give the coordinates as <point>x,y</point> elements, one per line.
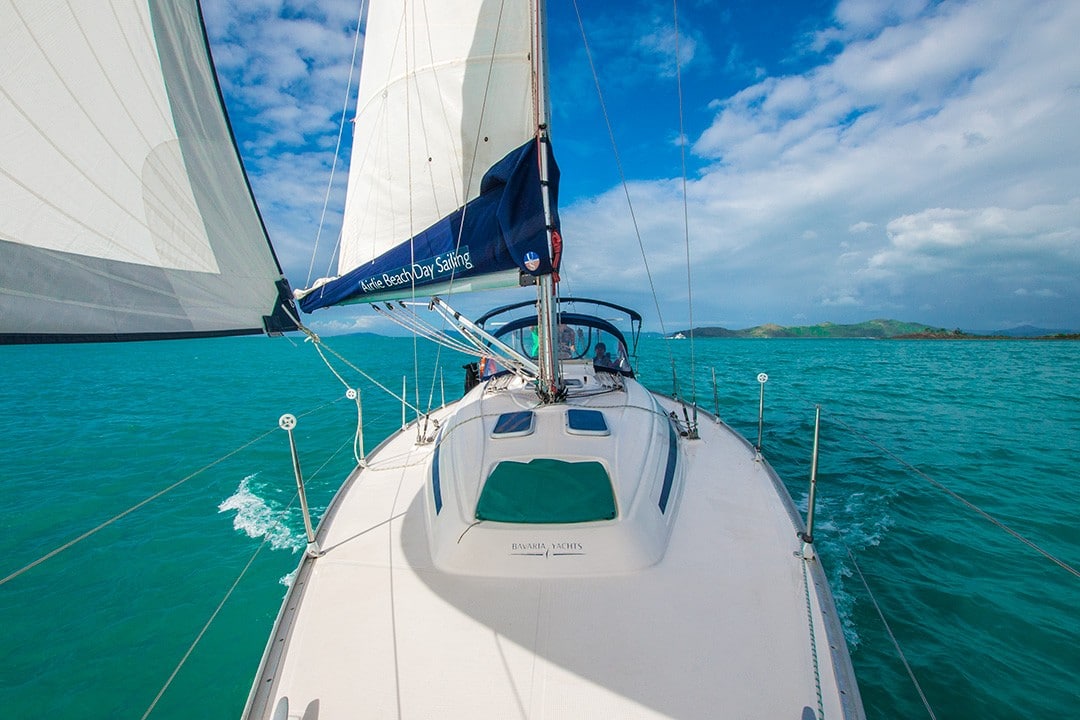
<point>990,239</point>
<point>951,127</point>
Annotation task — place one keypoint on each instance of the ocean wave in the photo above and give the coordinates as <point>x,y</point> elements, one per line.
<point>261,519</point>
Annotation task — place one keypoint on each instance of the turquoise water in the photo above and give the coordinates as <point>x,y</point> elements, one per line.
<point>989,627</point>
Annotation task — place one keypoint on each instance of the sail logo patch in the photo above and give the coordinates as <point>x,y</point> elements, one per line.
<point>532,261</point>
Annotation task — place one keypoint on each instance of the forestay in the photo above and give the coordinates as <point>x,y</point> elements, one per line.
<point>126,210</point>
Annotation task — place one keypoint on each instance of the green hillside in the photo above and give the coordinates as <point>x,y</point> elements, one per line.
<point>870,329</point>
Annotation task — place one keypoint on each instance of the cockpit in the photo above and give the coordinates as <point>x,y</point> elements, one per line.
<point>582,337</point>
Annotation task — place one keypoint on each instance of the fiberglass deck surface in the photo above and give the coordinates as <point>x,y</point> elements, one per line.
<point>718,628</point>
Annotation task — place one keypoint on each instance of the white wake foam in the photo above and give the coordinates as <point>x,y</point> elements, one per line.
<point>258,518</point>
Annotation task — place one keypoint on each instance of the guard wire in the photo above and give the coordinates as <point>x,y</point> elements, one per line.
<point>962,500</point>
<point>228,593</point>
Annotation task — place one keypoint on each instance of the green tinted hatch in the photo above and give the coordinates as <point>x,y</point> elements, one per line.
<point>546,491</point>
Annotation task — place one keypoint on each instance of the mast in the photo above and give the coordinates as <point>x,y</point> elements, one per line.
<point>549,382</point>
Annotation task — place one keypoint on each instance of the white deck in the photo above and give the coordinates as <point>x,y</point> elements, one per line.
<point>717,628</point>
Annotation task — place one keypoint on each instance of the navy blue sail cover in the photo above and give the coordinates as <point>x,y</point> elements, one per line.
<point>501,229</point>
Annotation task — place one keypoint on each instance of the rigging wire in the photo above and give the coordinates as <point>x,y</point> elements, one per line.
<point>686,209</point>
<point>622,173</point>
<point>74,541</point>
<point>277,524</point>
<point>464,202</point>
<point>337,149</point>
<point>206,626</point>
<point>888,629</point>
<point>962,500</point>
<point>56,551</point>
<point>940,486</point>
<point>954,495</point>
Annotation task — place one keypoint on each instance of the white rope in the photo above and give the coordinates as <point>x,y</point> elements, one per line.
<point>358,438</point>
<point>314,338</point>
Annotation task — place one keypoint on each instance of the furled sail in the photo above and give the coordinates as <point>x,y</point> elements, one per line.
<point>126,211</point>
<point>444,186</point>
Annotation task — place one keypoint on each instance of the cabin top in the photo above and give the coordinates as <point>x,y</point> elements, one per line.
<point>596,475</point>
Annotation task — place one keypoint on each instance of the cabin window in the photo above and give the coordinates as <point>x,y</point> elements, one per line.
<point>514,424</point>
<point>586,422</point>
<point>547,491</point>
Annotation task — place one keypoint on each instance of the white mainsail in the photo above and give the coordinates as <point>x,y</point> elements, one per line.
<point>126,210</point>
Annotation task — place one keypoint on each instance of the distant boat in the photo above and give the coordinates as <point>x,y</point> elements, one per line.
<point>561,540</point>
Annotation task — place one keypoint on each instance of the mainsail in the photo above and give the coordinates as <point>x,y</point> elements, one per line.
<point>126,210</point>
<point>445,180</point>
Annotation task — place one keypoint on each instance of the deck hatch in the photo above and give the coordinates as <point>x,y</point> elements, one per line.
<point>586,422</point>
<point>547,491</point>
<point>514,424</point>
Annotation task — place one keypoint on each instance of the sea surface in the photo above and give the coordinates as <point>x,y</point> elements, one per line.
<point>989,627</point>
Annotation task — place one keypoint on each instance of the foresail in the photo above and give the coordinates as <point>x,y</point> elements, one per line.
<point>447,110</point>
<point>126,211</point>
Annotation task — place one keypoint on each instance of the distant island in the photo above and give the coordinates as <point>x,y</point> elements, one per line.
<point>875,329</point>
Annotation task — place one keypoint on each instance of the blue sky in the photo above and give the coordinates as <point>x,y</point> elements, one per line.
<point>846,161</point>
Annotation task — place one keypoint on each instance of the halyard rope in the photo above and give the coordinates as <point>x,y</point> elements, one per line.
<point>318,342</point>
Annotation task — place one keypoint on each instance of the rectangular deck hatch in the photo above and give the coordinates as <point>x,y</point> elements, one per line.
<point>547,491</point>
<point>514,424</point>
<point>586,422</point>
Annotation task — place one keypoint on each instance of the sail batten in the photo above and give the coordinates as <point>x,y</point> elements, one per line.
<point>127,211</point>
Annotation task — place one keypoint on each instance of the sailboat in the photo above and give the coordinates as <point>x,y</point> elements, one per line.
<point>559,542</point>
